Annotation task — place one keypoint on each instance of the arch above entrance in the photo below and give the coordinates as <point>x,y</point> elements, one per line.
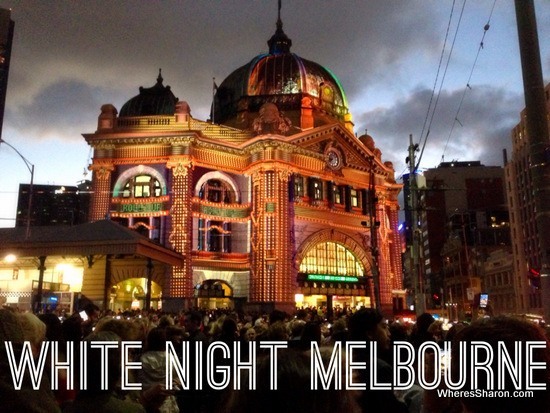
<point>359,251</point>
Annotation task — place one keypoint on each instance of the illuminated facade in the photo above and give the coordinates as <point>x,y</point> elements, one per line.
<point>274,201</point>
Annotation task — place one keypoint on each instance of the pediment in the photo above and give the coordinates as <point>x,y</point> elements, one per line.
<point>354,153</point>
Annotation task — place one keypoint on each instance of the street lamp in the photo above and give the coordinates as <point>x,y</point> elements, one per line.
<point>30,167</point>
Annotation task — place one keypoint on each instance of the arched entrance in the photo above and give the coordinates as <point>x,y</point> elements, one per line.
<point>334,271</point>
<point>212,294</point>
<point>129,294</point>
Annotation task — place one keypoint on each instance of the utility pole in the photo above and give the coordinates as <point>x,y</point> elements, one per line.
<point>418,284</point>
<point>374,225</point>
<point>539,139</point>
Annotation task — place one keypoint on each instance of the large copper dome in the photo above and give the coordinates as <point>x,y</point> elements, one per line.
<point>285,79</point>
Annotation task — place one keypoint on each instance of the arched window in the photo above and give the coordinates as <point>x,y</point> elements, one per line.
<point>216,190</point>
<point>142,186</point>
<point>332,259</point>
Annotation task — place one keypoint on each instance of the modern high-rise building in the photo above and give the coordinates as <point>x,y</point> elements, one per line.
<point>53,204</point>
<point>273,201</point>
<point>521,201</point>
<point>462,219</point>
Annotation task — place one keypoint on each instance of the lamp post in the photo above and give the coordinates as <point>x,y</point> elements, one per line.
<point>30,167</point>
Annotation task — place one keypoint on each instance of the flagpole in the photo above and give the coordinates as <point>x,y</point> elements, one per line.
<point>213,98</point>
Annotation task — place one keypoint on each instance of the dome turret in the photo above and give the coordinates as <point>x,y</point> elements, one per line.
<point>156,100</point>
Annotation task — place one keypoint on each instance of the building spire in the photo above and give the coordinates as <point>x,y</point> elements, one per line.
<point>159,78</point>
<point>279,42</point>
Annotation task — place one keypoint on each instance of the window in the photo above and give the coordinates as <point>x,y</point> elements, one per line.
<point>354,198</point>
<point>337,194</point>
<point>298,186</point>
<point>218,191</point>
<point>317,186</point>
<point>214,236</point>
<point>332,259</point>
<point>142,186</point>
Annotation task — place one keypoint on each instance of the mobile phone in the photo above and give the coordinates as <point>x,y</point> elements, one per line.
<point>83,315</point>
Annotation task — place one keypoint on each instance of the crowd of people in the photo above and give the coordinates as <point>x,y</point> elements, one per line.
<point>294,393</point>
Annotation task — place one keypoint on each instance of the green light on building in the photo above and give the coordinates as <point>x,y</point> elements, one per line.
<point>332,278</point>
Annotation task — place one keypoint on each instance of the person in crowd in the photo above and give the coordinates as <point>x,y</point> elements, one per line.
<point>277,315</point>
<point>193,400</point>
<point>93,313</point>
<point>339,331</point>
<point>311,333</point>
<point>506,330</point>
<point>296,328</point>
<point>420,332</point>
<point>34,331</point>
<point>367,324</point>
<point>153,367</point>
<point>294,393</point>
<point>26,399</point>
<point>94,399</point>
<point>54,333</point>
<point>277,331</point>
<point>435,330</point>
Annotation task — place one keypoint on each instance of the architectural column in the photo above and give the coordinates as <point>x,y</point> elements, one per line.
<point>273,276</point>
<point>178,290</point>
<point>101,188</point>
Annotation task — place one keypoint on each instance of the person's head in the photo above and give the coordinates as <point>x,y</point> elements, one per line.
<point>340,330</point>
<point>53,326</point>
<point>369,324</point>
<point>10,327</point>
<point>294,393</point>
<point>95,363</point>
<point>92,311</point>
<point>277,315</point>
<point>297,328</point>
<point>156,339</point>
<point>192,321</point>
<point>34,330</point>
<point>311,332</point>
<point>436,330</point>
<point>250,334</point>
<point>423,322</point>
<point>507,331</point>
<point>277,331</point>
<point>166,321</point>
<point>229,328</point>
<point>125,329</point>
<point>175,334</point>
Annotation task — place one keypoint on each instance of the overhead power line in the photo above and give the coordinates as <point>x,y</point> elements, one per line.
<point>443,78</point>
<point>469,82</point>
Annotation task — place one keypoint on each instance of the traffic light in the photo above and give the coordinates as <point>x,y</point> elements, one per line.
<point>534,278</point>
<point>436,300</point>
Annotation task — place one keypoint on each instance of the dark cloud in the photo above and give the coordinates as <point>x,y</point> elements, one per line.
<point>62,111</point>
<point>485,120</point>
<point>70,57</point>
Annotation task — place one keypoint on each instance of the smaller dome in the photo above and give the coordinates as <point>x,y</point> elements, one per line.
<point>368,141</point>
<point>156,100</point>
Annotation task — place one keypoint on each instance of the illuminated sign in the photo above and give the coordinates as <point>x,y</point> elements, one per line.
<point>133,208</point>
<point>332,278</point>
